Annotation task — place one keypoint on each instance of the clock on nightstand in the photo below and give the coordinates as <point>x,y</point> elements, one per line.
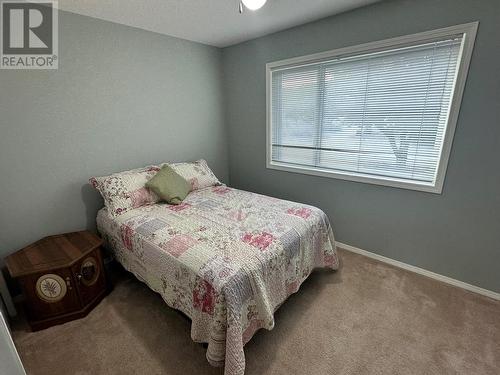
<point>62,277</point>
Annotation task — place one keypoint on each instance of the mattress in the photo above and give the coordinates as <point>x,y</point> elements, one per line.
<point>226,258</point>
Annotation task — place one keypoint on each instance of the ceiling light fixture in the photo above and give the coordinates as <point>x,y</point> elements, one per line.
<point>251,4</point>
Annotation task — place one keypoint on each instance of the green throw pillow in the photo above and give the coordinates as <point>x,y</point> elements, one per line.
<point>169,185</point>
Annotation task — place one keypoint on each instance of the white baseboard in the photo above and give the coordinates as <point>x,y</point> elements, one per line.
<point>421,271</point>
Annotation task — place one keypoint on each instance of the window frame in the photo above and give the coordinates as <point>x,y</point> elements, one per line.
<point>468,30</point>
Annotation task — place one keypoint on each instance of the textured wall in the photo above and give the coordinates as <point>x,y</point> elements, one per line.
<point>122,98</point>
<point>456,233</point>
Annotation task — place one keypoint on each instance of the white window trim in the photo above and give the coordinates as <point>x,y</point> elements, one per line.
<point>469,31</point>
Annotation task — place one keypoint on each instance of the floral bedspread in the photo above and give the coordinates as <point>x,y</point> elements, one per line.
<point>227,258</point>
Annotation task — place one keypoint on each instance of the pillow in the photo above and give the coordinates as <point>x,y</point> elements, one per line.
<point>125,191</point>
<point>198,174</point>
<point>169,186</point>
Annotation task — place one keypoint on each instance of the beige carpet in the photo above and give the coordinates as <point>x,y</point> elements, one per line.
<point>368,318</point>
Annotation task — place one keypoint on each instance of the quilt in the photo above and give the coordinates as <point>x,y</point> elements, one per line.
<point>225,257</point>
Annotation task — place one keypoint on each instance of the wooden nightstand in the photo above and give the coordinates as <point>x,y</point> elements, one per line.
<point>62,277</point>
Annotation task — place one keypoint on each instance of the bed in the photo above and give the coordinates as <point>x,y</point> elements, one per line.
<point>226,258</point>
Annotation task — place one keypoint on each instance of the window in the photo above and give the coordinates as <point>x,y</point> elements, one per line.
<point>382,112</point>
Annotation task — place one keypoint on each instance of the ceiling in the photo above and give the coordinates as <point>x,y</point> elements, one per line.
<point>212,22</point>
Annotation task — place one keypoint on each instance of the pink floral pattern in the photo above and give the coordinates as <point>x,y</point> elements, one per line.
<point>303,212</point>
<point>125,191</point>
<point>260,241</point>
<point>141,197</point>
<point>195,185</point>
<point>226,260</point>
<point>126,234</point>
<point>330,260</point>
<point>179,207</point>
<point>237,215</point>
<point>221,189</point>
<point>178,245</point>
<point>204,297</point>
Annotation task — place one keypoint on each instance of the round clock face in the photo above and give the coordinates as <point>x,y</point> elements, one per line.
<point>50,288</point>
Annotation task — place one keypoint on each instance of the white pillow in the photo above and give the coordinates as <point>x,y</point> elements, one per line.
<point>126,190</point>
<point>197,173</point>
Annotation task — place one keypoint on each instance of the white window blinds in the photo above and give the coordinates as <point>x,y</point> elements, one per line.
<point>382,115</point>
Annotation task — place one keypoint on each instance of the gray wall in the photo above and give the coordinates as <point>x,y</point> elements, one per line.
<point>456,233</point>
<point>122,98</point>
